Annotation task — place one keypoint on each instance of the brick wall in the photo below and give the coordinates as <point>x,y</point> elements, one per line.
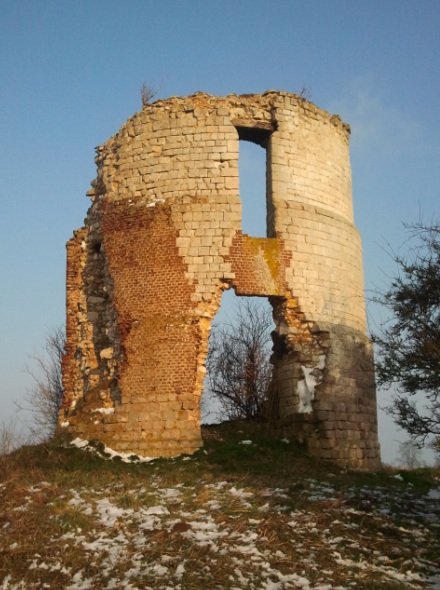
<point>163,239</point>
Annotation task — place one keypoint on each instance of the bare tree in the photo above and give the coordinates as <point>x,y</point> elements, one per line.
<point>43,399</point>
<point>238,363</point>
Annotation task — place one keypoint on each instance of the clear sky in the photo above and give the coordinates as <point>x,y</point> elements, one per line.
<point>70,75</point>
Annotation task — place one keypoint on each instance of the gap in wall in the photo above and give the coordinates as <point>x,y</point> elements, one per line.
<point>228,314</point>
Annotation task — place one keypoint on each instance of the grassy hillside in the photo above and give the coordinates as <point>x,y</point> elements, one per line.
<point>245,512</point>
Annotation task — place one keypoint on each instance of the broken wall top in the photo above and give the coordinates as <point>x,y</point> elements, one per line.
<point>193,142</point>
<point>184,152</point>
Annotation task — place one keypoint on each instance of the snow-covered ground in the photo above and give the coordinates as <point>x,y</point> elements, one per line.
<point>220,535</point>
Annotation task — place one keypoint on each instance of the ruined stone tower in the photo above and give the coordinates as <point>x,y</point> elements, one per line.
<point>163,239</point>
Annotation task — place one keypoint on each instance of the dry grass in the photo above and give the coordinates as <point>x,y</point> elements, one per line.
<point>262,515</point>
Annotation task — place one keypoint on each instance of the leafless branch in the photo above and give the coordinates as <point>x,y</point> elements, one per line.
<point>43,398</point>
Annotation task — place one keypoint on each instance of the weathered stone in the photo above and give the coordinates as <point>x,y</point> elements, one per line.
<point>106,353</point>
<point>163,239</point>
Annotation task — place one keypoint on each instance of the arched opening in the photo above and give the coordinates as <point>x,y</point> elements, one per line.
<point>239,373</point>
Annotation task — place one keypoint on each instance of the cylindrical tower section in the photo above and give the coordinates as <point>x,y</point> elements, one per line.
<point>312,200</point>
<point>325,376</point>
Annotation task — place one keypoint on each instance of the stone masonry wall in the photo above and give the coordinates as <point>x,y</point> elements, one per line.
<point>163,239</point>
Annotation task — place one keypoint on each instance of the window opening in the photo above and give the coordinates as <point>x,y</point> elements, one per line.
<point>252,178</point>
<point>252,170</point>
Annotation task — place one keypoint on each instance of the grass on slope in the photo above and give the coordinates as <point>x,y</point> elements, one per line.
<point>245,512</point>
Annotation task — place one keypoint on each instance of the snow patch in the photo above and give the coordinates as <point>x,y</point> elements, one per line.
<point>104,410</point>
<point>109,453</point>
<point>154,203</point>
<point>434,494</point>
<point>306,386</point>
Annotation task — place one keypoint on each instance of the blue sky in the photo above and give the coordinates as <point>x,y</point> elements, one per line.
<point>71,73</point>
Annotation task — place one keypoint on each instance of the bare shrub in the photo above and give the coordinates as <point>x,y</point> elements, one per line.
<point>305,92</point>
<point>410,454</point>
<point>11,438</point>
<point>148,92</point>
